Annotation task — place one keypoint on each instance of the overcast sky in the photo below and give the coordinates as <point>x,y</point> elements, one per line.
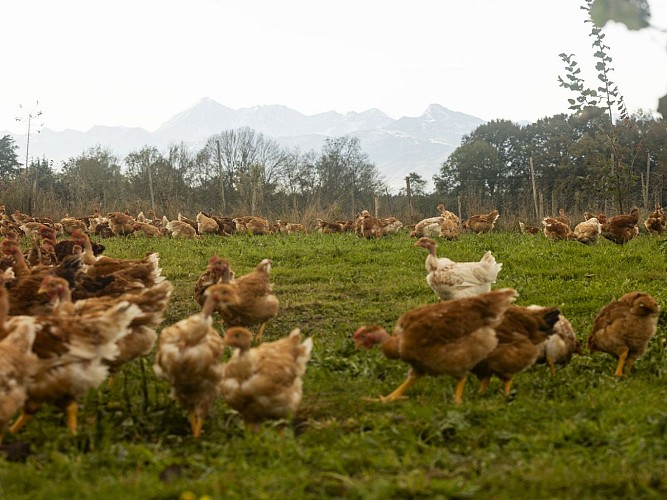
<point>139,62</point>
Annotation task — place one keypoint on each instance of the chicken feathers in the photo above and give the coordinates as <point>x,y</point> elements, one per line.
<point>264,382</point>
<point>455,280</point>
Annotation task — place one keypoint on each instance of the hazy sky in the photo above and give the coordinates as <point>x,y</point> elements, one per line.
<point>139,62</point>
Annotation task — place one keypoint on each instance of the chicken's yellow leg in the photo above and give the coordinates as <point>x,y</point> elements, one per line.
<point>458,394</point>
<point>71,411</point>
<point>508,386</point>
<point>260,333</point>
<point>621,362</point>
<point>552,365</point>
<point>398,393</point>
<point>198,425</point>
<point>484,385</point>
<point>23,419</point>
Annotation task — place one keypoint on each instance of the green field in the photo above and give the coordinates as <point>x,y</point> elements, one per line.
<point>582,433</point>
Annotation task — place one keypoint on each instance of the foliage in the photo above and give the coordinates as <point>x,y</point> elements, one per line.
<point>9,163</point>
<point>582,433</point>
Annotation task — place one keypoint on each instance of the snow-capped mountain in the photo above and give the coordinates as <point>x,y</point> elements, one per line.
<point>397,147</point>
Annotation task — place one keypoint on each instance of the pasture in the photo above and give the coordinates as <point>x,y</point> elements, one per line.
<point>582,433</point>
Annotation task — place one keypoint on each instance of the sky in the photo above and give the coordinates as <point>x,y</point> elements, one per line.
<point>137,63</point>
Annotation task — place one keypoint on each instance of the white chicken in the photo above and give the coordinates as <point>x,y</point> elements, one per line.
<point>588,231</point>
<point>455,280</point>
<point>264,382</point>
<point>189,357</point>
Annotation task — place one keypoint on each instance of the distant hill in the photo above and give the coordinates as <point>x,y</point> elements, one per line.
<point>397,147</point>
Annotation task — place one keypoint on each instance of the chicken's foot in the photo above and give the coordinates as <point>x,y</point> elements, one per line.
<point>484,385</point>
<point>507,387</point>
<point>398,393</point>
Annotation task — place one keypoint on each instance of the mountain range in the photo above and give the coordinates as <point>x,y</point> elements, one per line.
<point>396,146</point>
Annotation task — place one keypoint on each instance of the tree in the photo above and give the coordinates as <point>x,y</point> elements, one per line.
<point>417,185</point>
<point>9,163</point>
<point>347,177</point>
<point>93,178</point>
<point>246,164</point>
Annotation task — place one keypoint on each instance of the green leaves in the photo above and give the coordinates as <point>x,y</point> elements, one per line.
<point>634,14</point>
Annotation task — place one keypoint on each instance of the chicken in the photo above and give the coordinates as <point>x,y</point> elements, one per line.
<point>325,227</point>
<point>624,327</point>
<point>556,230</point>
<point>429,227</point>
<point>17,366</point>
<point>146,229</point>
<point>587,232</point>
<point>290,227</point>
<point>449,230</point>
<point>141,335</point>
<point>183,218</point>
<point>252,225</point>
<point>621,228</point>
<point>120,224</point>
<point>447,215</point>
<point>656,222</point>
<point>179,229</point>
<point>562,217</point>
<point>481,223</point>
<point>520,334</point>
<point>71,356</point>
<point>455,280</point>
<point>559,347</point>
<point>217,271</point>
<point>256,305</point>
<point>70,224</point>
<point>390,225</point>
<point>23,297</point>
<point>264,382</point>
<point>206,225</point>
<point>189,357</point>
<point>446,338</point>
<point>527,229</point>
<point>367,226</point>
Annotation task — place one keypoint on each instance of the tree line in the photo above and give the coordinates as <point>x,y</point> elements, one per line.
<point>563,161</point>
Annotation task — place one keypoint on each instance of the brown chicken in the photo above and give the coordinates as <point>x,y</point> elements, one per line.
<point>447,338</point>
<point>257,304</point>
<point>528,229</point>
<point>562,217</point>
<point>71,356</point>
<point>189,357</point>
<point>481,223</point>
<point>624,327</point>
<point>447,215</point>
<point>455,280</point>
<point>656,222</point>
<point>519,334</point>
<point>556,230</point>
<point>23,297</point>
<point>217,271</point>
<point>180,229</point>
<point>206,225</point>
<point>325,227</point>
<point>449,230</point>
<point>141,335</point>
<point>120,224</point>
<point>621,228</point>
<point>252,225</point>
<point>17,365</point>
<point>264,382</point>
<point>559,348</point>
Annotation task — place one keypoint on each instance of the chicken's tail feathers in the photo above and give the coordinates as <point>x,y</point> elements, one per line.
<point>551,317</point>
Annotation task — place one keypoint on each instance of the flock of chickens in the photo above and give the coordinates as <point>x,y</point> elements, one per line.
<point>70,318</point>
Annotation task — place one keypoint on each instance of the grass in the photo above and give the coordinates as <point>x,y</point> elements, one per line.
<point>580,434</point>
